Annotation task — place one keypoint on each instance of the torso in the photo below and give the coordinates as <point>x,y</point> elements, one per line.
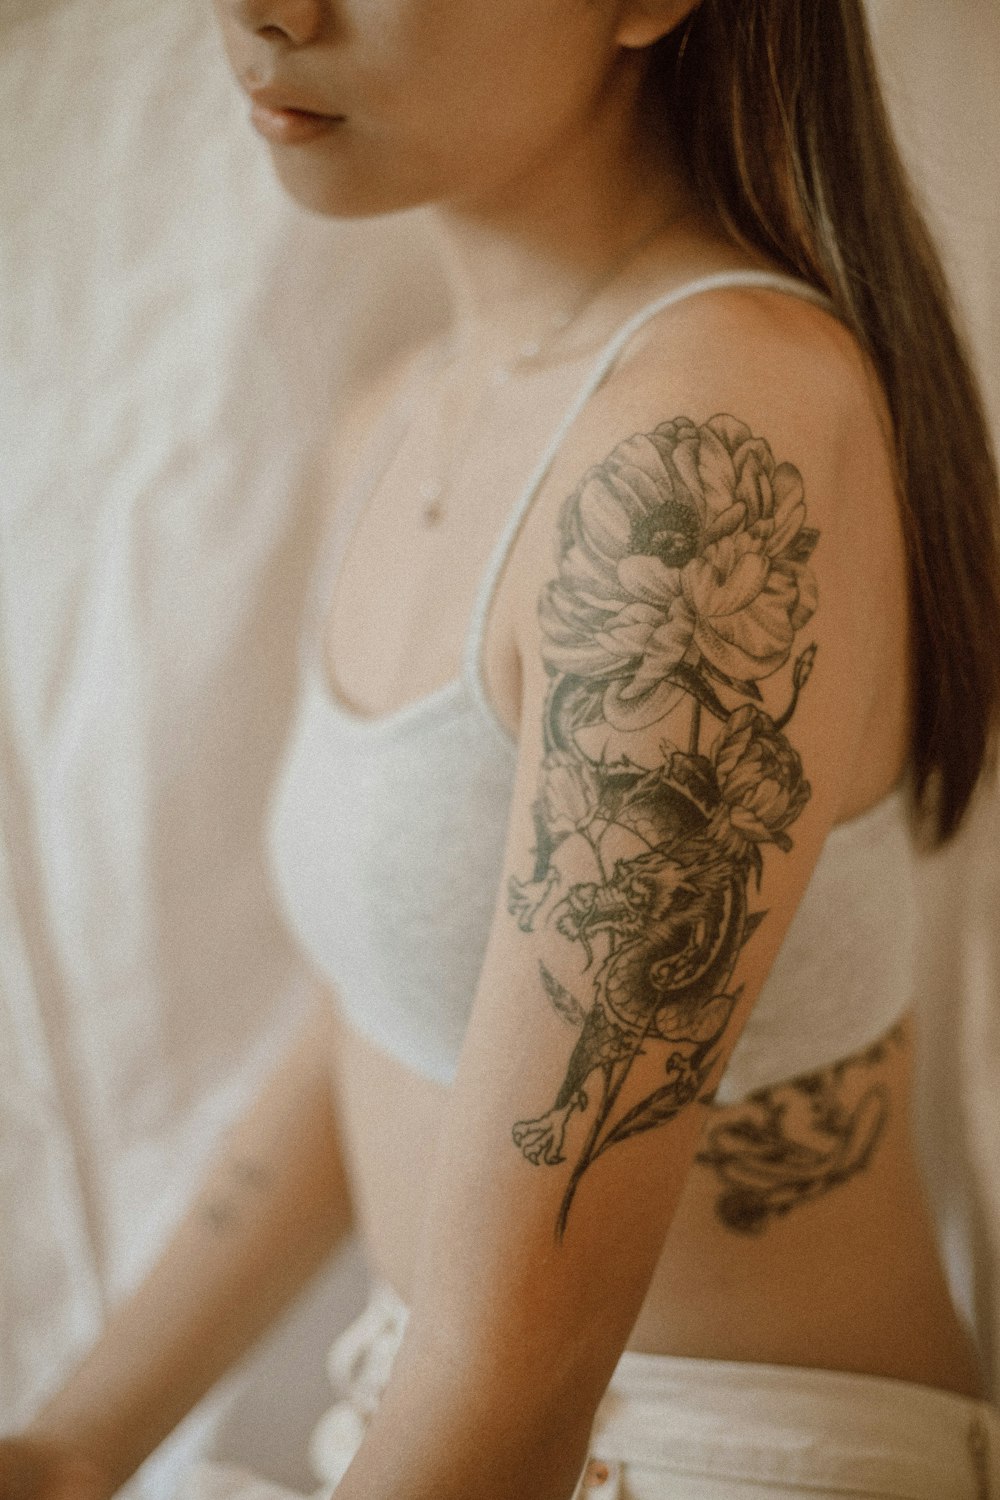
<point>849,1280</point>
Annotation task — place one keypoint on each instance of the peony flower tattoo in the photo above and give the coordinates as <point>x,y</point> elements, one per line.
<point>686,547</point>
<point>683,582</point>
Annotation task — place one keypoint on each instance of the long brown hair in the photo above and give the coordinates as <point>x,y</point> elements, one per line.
<point>778,113</point>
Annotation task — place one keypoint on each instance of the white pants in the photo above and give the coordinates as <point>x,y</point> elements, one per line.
<point>698,1429</point>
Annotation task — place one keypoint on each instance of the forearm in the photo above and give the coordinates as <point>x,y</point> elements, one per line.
<point>480,1407</point>
<point>511,1340</point>
<point>481,1446</point>
<point>271,1208</point>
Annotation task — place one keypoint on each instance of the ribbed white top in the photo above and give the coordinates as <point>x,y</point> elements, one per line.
<point>387,840</point>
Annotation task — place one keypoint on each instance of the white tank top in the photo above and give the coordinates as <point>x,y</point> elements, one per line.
<point>387,836</point>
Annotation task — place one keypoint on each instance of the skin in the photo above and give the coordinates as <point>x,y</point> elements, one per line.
<point>272,1207</point>
<point>538,178</point>
<point>423,126</point>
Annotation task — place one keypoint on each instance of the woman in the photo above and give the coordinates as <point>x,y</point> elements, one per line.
<point>651,630</point>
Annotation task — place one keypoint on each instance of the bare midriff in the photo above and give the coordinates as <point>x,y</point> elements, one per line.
<point>848,1281</point>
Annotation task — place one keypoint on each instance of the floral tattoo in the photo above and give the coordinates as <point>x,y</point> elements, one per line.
<point>683,581</point>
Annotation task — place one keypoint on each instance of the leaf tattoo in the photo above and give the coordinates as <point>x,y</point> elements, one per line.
<point>567,1005</point>
<point>683,579</point>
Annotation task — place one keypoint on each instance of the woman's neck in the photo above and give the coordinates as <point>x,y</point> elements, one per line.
<point>525,262</point>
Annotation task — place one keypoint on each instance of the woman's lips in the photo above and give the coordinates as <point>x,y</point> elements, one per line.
<point>289,127</point>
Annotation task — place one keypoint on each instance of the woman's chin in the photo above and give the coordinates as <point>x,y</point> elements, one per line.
<point>335,191</point>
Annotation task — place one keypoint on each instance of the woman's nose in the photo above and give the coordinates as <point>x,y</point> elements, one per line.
<point>294,22</point>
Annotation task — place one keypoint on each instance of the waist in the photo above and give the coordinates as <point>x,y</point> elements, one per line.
<point>717,1292</point>
<point>663,1417</point>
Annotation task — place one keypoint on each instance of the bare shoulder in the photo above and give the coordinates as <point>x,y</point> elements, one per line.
<point>780,384</point>
<point>777,361</point>
<point>793,372</point>
<point>733,471</point>
<point>741,319</point>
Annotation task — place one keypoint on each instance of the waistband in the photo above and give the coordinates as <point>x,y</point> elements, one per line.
<point>777,1424</point>
<point>715,1419</point>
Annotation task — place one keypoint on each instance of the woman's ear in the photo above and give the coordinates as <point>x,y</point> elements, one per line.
<point>644,22</point>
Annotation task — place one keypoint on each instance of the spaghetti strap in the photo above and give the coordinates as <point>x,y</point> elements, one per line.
<point>472,666</point>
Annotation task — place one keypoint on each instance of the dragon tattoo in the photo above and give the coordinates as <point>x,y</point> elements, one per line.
<point>683,581</point>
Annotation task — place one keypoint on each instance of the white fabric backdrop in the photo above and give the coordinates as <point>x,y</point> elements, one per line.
<point>173,340</point>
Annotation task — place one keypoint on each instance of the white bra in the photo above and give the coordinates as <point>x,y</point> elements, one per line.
<point>387,835</point>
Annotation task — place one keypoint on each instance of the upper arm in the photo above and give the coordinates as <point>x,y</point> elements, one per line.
<point>701,648</point>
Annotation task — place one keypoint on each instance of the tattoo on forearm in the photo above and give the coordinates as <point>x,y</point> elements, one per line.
<point>788,1145</point>
<point>683,581</point>
<point>223,1207</point>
